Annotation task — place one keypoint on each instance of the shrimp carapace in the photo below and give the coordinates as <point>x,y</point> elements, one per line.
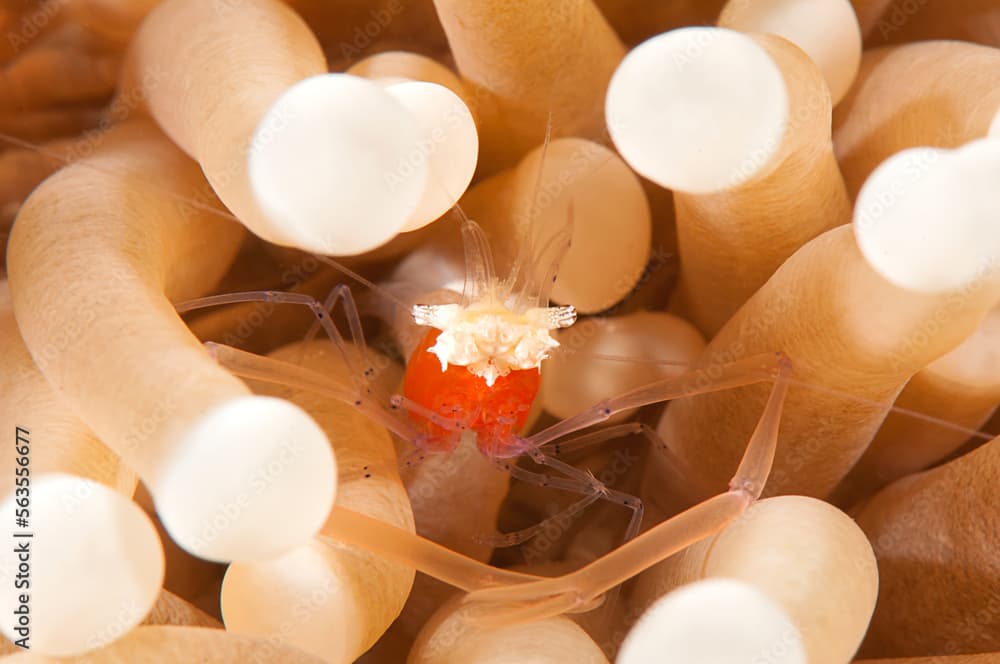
<point>495,413</point>
<point>479,366</point>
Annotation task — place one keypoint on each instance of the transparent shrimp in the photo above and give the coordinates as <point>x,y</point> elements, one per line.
<point>487,392</point>
<point>439,407</point>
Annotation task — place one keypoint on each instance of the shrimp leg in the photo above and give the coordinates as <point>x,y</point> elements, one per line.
<point>749,477</point>
<point>589,483</point>
<point>359,368</point>
<point>346,526</point>
<point>659,542</point>
<point>525,534</point>
<point>712,378</point>
<point>383,539</point>
<point>680,481</point>
<point>270,370</point>
<point>320,310</point>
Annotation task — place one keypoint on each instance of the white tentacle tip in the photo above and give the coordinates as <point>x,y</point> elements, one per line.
<point>448,144</point>
<point>698,109</point>
<point>331,166</point>
<point>827,30</point>
<point>255,477</point>
<point>928,219</point>
<point>96,566</point>
<point>714,621</point>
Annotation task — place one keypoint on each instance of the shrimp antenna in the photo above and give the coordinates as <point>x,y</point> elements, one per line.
<point>525,260</point>
<point>367,283</point>
<point>480,272</point>
<point>551,254</point>
<point>375,288</point>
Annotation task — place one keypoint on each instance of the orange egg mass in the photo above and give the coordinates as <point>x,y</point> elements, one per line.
<point>494,413</point>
